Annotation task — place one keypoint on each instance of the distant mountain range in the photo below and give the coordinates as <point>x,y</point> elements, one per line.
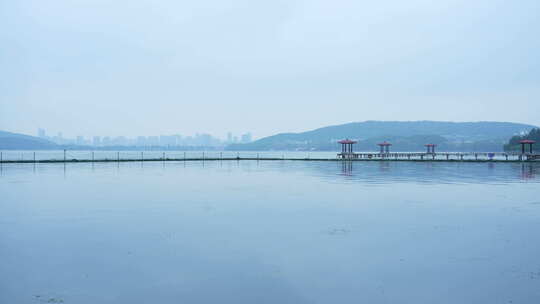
<point>12,141</point>
<point>404,135</point>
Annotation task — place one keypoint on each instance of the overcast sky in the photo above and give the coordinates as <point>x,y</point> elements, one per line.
<point>102,67</point>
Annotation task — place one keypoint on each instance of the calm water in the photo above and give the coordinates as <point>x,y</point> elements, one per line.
<point>270,232</point>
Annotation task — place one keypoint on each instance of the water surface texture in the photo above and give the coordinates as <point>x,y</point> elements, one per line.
<point>270,232</point>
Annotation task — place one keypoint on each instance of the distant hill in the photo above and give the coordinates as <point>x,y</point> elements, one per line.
<point>15,141</point>
<point>404,135</point>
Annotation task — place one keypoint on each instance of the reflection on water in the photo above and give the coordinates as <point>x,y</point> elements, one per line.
<point>270,232</point>
<point>430,172</point>
<point>366,172</point>
<point>528,171</point>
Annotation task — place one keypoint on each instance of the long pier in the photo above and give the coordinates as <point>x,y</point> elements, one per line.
<point>366,156</point>
<point>441,156</point>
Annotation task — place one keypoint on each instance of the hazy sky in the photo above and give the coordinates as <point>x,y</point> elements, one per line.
<point>102,67</point>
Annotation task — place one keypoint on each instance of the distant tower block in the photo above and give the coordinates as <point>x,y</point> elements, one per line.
<point>385,147</point>
<point>347,149</point>
<point>526,142</point>
<point>430,148</point>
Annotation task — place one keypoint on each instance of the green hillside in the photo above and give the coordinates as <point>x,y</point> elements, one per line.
<point>513,143</point>
<point>405,136</point>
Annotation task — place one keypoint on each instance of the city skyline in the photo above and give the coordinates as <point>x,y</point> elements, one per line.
<point>198,139</point>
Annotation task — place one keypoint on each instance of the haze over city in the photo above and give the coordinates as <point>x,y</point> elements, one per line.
<point>134,68</point>
<point>176,140</point>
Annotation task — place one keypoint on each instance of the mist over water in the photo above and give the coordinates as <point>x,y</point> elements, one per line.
<point>270,232</point>
<point>127,210</point>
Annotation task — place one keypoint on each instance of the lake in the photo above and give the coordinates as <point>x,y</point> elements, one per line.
<point>270,232</point>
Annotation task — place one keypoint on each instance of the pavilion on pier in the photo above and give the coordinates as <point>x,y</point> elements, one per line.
<point>430,148</point>
<point>384,147</point>
<point>347,149</point>
<point>525,142</point>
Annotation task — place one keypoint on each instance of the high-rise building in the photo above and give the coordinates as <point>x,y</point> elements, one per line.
<point>204,139</point>
<point>187,141</point>
<point>41,133</point>
<point>141,141</point>
<point>153,140</point>
<point>59,139</point>
<point>119,141</point>
<point>229,137</point>
<point>96,141</point>
<point>80,140</point>
<point>178,139</point>
<point>246,138</point>
<point>166,140</point>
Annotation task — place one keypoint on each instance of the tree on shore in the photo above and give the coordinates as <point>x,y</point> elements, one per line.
<point>513,143</point>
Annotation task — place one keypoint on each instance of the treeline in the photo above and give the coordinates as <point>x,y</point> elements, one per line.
<point>513,143</point>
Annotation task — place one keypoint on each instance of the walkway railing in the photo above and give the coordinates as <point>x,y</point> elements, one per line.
<point>132,156</point>
<point>448,156</point>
